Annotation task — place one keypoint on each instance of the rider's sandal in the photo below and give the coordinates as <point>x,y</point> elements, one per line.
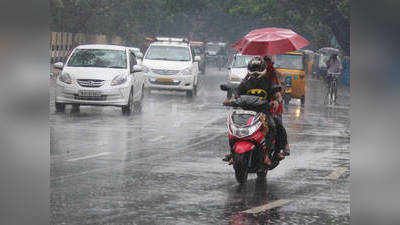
<point>280,155</point>
<point>227,158</point>
<point>286,151</point>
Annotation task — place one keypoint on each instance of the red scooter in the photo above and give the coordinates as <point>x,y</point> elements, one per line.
<point>251,134</point>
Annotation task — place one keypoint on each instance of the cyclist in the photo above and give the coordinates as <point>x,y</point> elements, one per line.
<point>334,67</point>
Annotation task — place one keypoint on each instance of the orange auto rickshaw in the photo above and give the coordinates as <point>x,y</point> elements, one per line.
<point>292,66</point>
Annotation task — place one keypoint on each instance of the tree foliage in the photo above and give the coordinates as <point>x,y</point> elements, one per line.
<point>133,20</point>
<point>316,20</point>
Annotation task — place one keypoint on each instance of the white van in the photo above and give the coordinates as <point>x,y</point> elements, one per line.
<point>171,65</point>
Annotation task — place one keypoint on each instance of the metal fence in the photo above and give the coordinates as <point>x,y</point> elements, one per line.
<point>345,76</point>
<point>61,43</point>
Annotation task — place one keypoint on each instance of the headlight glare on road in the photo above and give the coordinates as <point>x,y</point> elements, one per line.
<point>66,78</point>
<point>118,80</point>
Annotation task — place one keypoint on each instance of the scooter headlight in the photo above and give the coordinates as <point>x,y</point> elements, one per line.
<point>242,132</point>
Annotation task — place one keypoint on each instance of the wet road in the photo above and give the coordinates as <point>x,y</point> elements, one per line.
<point>164,166</point>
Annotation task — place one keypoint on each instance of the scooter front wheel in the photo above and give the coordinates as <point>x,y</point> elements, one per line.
<point>240,164</point>
<point>261,174</point>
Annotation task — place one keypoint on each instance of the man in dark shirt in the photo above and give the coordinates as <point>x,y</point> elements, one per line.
<point>258,83</point>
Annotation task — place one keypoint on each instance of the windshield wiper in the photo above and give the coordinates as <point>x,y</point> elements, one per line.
<point>81,65</point>
<point>116,67</point>
<point>158,59</point>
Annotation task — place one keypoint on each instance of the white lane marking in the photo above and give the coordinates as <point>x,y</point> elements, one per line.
<point>268,206</point>
<point>89,156</point>
<point>337,173</point>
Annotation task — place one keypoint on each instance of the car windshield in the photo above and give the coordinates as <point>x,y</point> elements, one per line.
<point>241,61</point>
<point>98,58</point>
<point>169,53</point>
<point>293,62</point>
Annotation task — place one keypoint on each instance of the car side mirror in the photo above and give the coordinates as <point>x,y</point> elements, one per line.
<point>197,58</point>
<point>140,55</point>
<point>59,65</point>
<point>137,68</point>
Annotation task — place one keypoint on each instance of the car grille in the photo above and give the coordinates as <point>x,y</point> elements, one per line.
<point>165,72</point>
<point>90,83</point>
<point>166,83</point>
<point>91,98</point>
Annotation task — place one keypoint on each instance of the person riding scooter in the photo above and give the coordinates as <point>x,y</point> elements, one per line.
<point>257,83</point>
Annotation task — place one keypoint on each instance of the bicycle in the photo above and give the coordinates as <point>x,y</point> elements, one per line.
<point>331,93</point>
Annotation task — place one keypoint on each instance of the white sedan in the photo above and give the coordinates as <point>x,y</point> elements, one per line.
<point>100,75</point>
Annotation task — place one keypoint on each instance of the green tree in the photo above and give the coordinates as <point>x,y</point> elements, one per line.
<point>314,19</point>
<point>133,20</point>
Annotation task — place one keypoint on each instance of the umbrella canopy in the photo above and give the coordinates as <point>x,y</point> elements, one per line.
<point>270,41</point>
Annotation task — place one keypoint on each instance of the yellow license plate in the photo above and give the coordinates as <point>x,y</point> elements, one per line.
<point>166,80</point>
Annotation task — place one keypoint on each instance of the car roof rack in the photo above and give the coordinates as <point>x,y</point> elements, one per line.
<point>169,39</point>
<point>197,43</point>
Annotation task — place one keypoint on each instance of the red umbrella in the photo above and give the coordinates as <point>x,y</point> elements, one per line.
<point>270,41</point>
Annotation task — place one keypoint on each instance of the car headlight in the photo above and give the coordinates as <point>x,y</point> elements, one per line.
<point>145,69</point>
<point>65,78</point>
<point>118,80</point>
<point>186,72</point>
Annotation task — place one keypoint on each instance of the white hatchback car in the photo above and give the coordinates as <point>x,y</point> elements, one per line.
<point>171,65</point>
<point>100,75</point>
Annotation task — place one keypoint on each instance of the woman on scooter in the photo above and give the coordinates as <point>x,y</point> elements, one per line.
<point>277,79</point>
